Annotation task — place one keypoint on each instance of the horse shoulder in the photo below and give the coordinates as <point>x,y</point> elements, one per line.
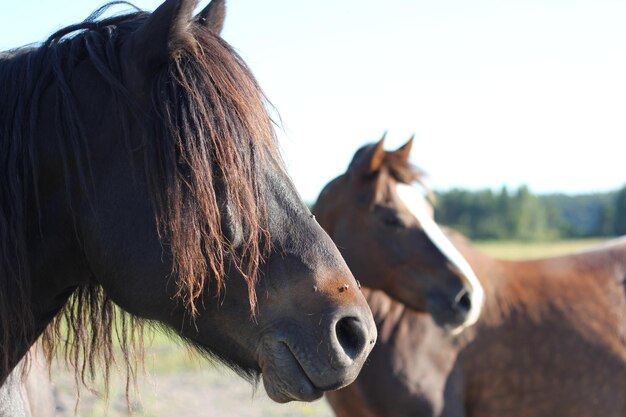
<point>412,367</point>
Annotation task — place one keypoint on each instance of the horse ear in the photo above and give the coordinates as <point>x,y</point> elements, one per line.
<point>163,34</point>
<point>212,16</point>
<point>370,158</point>
<point>404,151</point>
<point>378,155</point>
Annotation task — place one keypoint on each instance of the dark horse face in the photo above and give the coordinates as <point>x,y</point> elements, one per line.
<point>179,207</point>
<point>385,231</point>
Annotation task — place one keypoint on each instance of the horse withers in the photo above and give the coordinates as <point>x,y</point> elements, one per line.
<point>140,168</point>
<point>550,341</point>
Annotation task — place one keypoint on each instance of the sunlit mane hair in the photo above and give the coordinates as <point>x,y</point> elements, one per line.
<point>401,171</point>
<point>208,132</point>
<point>394,165</point>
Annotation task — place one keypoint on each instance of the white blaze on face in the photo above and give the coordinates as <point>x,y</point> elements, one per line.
<point>423,212</point>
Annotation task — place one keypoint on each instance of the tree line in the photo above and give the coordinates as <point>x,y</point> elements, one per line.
<point>519,214</point>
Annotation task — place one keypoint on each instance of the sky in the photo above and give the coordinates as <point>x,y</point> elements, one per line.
<point>497,93</point>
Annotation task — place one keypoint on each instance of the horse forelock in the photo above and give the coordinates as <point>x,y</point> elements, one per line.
<point>218,138</point>
<point>394,170</point>
<point>212,137</point>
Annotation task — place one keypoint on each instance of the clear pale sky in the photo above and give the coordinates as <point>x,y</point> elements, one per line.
<point>498,93</point>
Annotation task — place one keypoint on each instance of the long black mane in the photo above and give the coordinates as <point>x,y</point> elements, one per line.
<point>207,129</point>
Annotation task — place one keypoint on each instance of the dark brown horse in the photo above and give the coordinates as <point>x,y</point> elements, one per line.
<point>139,167</point>
<point>551,339</point>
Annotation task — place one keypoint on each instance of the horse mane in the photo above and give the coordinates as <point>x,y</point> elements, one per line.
<point>208,135</point>
<point>401,171</point>
<point>392,165</point>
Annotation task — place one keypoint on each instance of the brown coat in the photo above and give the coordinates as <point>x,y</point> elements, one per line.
<point>551,341</point>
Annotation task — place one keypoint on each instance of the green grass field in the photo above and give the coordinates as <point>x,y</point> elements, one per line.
<point>525,250</point>
<point>179,383</point>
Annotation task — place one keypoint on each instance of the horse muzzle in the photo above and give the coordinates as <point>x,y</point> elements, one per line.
<point>300,365</point>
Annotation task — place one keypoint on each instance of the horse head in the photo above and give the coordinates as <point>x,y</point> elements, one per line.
<point>159,188</point>
<point>385,230</point>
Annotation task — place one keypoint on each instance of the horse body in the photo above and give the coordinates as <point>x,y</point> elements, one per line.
<point>551,340</point>
<point>142,170</point>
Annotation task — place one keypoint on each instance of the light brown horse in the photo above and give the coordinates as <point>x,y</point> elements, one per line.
<point>425,273</point>
<point>551,340</point>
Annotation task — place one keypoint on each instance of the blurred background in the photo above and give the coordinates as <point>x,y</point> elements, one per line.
<point>518,110</point>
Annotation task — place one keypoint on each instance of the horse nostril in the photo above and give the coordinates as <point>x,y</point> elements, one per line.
<point>352,336</point>
<point>463,300</point>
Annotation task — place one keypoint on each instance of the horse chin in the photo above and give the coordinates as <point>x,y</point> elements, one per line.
<point>450,322</point>
<point>284,377</point>
<point>455,331</point>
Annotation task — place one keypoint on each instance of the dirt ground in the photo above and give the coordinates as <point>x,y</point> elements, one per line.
<point>177,385</point>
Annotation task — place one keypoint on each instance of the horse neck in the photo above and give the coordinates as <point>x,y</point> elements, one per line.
<point>404,331</point>
<point>52,254</point>
<point>575,287</point>
<point>383,307</point>
<point>490,271</point>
